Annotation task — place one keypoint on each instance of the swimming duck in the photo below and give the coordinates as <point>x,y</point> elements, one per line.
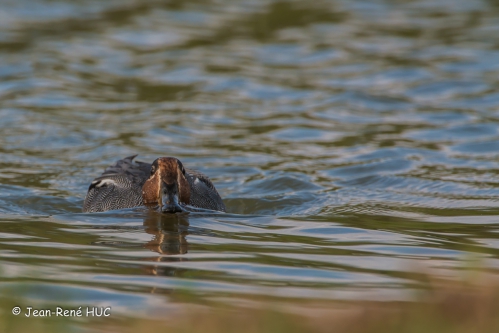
<point>164,183</point>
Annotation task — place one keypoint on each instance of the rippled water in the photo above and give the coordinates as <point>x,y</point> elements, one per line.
<point>355,143</point>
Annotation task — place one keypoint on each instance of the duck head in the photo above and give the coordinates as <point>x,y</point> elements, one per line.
<point>167,186</point>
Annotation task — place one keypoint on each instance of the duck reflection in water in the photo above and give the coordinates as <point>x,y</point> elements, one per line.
<point>169,234</point>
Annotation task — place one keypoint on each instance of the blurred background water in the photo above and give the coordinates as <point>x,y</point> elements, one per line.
<point>355,144</point>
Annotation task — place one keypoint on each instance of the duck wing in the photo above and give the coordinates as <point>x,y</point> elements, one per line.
<point>119,186</point>
<point>129,167</point>
<point>203,192</point>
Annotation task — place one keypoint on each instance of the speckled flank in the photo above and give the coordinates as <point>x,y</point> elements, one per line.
<point>127,184</point>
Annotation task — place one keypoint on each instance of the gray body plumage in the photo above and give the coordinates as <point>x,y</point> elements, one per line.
<point>120,186</point>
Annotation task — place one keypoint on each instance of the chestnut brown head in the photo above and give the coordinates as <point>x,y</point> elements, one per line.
<point>167,186</point>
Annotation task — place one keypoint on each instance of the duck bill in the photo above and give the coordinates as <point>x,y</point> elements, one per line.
<point>169,199</point>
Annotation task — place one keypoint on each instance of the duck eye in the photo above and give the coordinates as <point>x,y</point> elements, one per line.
<point>153,170</point>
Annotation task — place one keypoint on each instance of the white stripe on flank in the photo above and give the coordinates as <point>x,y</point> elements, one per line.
<point>103,182</point>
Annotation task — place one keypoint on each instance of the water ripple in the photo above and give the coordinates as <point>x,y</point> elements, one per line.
<point>354,143</point>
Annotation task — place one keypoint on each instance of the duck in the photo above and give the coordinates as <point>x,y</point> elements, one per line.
<point>163,184</point>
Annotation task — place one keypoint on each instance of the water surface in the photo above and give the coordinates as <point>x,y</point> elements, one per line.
<point>355,144</point>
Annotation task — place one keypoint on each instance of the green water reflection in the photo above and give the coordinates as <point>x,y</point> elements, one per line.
<point>353,142</point>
